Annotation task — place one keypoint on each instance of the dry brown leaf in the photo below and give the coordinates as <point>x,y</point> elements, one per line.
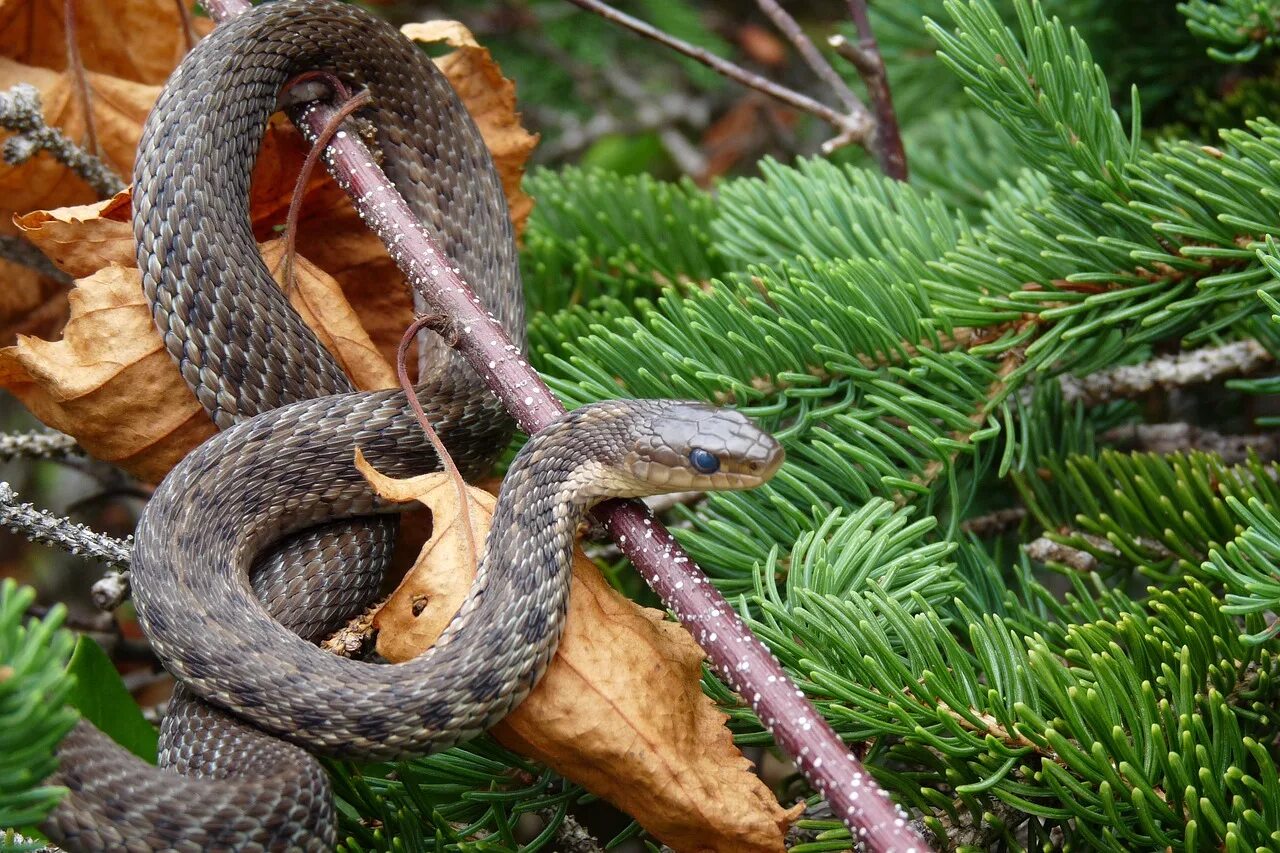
<point>138,40</point>
<point>491,100</point>
<point>318,297</point>
<point>83,239</point>
<point>620,710</point>
<point>111,384</point>
<point>30,303</point>
<point>119,108</point>
<point>109,381</point>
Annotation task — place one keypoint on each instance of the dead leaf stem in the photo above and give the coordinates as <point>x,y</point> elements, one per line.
<point>446,461</point>
<point>75,63</point>
<point>350,104</point>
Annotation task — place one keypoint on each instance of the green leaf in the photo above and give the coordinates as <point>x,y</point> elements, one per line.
<point>100,696</point>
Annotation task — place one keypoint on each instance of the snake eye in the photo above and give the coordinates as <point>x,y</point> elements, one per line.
<point>703,461</point>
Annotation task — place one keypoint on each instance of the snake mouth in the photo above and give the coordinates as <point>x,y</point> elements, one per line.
<point>755,470</point>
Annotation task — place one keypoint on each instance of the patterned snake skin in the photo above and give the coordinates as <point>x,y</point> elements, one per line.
<point>227,597</point>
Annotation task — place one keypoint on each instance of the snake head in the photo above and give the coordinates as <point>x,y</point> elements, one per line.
<point>682,446</point>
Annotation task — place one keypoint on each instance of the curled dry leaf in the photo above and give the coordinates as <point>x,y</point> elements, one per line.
<point>111,384</point>
<point>109,381</point>
<point>491,100</point>
<point>81,240</point>
<point>85,239</point>
<point>138,40</point>
<point>620,710</point>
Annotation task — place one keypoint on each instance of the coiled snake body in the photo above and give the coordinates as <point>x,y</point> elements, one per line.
<point>220,590</point>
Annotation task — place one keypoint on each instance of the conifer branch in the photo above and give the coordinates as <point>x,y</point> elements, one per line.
<point>20,112</point>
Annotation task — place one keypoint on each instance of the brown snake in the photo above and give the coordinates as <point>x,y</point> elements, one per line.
<point>220,585</point>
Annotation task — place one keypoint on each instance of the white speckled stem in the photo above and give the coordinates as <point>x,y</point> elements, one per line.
<point>742,660</point>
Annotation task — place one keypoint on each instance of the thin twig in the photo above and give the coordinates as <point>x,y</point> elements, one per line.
<point>744,662</point>
<point>188,28</point>
<point>571,836</point>
<point>442,452</point>
<point>994,523</point>
<point>37,445</point>
<point>350,103</point>
<point>48,529</point>
<point>810,54</point>
<point>1194,367</point>
<point>1181,437</point>
<point>20,112</point>
<point>852,128</point>
<point>886,138</point>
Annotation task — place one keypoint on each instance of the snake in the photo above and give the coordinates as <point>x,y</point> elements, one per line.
<point>265,538</point>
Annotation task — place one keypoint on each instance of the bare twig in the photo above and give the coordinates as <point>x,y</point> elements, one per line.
<point>810,54</point>
<point>441,327</point>
<point>355,639</point>
<point>1047,550</point>
<point>742,660</point>
<point>886,139</point>
<point>571,836</point>
<point>1195,367</point>
<point>188,28</point>
<point>1179,437</point>
<point>20,112</point>
<point>350,103</point>
<point>36,445</point>
<point>21,251</point>
<point>48,529</point>
<point>994,523</point>
<point>854,127</point>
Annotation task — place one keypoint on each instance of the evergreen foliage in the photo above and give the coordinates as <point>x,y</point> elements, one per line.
<point>904,342</point>
<point>34,715</point>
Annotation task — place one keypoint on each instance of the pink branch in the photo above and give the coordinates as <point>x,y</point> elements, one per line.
<point>742,660</point>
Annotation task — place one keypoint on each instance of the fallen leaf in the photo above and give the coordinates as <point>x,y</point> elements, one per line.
<point>491,100</point>
<point>138,40</point>
<point>111,384</point>
<point>30,303</point>
<point>83,239</point>
<point>109,381</point>
<point>119,108</point>
<point>620,710</point>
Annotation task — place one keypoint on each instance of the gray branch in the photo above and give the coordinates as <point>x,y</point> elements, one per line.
<point>1196,367</point>
<point>20,112</point>
<point>36,445</point>
<point>21,251</point>
<point>48,529</point>
<point>1180,437</point>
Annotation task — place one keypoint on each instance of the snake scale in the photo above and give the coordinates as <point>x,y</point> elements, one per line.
<point>265,537</point>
